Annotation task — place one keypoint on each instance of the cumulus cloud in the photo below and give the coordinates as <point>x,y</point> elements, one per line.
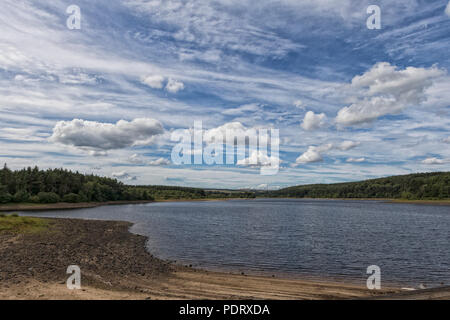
<point>386,90</point>
<point>259,159</point>
<point>356,160</point>
<point>347,145</point>
<point>106,136</point>
<point>122,175</point>
<point>238,130</point>
<point>313,121</point>
<point>174,86</point>
<point>235,128</point>
<point>314,154</point>
<point>153,81</point>
<point>433,161</point>
<point>136,159</point>
<point>157,82</point>
<point>447,9</point>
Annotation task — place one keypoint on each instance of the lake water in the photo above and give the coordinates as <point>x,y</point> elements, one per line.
<point>298,238</point>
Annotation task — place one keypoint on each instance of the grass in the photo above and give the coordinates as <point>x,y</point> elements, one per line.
<point>15,224</point>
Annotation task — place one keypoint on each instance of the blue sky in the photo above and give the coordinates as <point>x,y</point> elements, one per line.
<point>350,103</point>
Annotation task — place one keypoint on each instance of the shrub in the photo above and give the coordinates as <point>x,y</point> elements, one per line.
<point>21,196</point>
<point>34,199</point>
<point>48,197</point>
<point>72,198</point>
<point>5,197</point>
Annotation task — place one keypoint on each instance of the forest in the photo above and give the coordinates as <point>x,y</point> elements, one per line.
<point>32,185</point>
<point>419,186</point>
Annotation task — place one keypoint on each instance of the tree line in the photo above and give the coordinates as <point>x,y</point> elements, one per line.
<point>420,186</point>
<point>32,185</point>
<point>60,185</point>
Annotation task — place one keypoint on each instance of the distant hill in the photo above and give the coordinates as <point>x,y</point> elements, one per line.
<point>420,186</point>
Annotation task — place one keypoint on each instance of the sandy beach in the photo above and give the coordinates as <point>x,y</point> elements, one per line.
<point>115,265</point>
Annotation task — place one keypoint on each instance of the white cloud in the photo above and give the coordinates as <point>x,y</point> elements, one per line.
<point>153,81</point>
<point>106,136</point>
<point>299,104</point>
<point>313,121</point>
<point>21,134</point>
<point>234,129</point>
<point>447,9</point>
<point>446,140</point>
<point>159,162</point>
<point>98,153</point>
<point>356,160</point>
<point>259,159</point>
<point>433,161</point>
<point>219,25</point>
<point>122,175</point>
<point>77,78</point>
<point>386,90</point>
<point>238,130</point>
<point>347,145</point>
<point>137,159</point>
<point>314,154</point>
<point>174,86</point>
<point>252,107</point>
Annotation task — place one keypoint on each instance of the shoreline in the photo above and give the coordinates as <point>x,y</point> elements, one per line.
<point>85,205</point>
<point>445,202</point>
<point>115,264</point>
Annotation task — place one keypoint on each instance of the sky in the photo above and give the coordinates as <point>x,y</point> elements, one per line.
<point>350,103</point>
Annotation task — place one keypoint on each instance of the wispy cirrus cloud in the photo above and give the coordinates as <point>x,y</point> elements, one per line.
<point>227,62</point>
<point>356,160</point>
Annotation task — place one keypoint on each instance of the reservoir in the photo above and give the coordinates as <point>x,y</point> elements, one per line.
<point>299,238</point>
